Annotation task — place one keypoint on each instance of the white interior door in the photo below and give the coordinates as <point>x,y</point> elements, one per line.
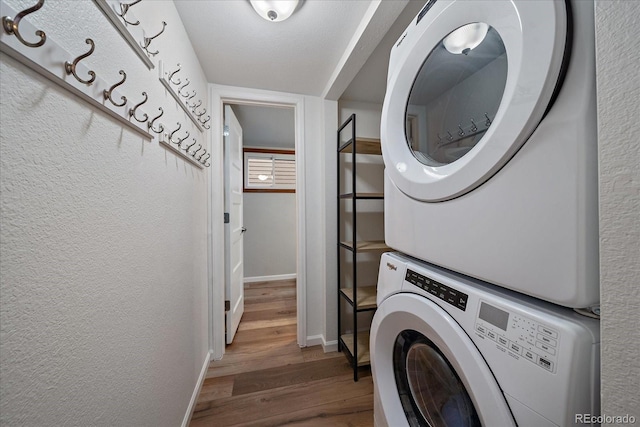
<point>234,226</point>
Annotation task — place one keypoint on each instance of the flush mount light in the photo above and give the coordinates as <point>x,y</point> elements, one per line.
<point>274,10</point>
<point>465,38</point>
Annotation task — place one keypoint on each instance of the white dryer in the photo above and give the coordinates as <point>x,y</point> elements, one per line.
<point>489,141</point>
<point>450,351</point>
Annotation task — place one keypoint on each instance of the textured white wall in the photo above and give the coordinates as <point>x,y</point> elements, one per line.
<point>103,239</point>
<point>270,239</point>
<point>618,85</point>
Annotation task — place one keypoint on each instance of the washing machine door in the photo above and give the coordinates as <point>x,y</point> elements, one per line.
<point>468,83</point>
<point>426,370</point>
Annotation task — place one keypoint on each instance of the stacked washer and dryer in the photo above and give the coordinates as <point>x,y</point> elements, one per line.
<point>489,315</point>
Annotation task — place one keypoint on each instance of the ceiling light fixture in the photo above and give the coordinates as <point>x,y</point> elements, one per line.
<point>274,10</point>
<point>466,38</point>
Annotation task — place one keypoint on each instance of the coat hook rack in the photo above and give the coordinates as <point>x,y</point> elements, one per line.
<point>202,155</point>
<point>160,127</point>
<point>204,162</point>
<point>12,26</point>
<point>49,62</point>
<point>179,141</point>
<point>181,97</point>
<point>170,78</point>
<point>132,34</point>
<point>195,105</point>
<point>107,92</point>
<point>189,146</point>
<point>148,40</point>
<point>182,87</point>
<point>132,111</point>
<point>70,68</point>
<point>193,154</point>
<point>124,9</point>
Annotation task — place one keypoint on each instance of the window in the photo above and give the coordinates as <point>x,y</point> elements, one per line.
<point>268,170</point>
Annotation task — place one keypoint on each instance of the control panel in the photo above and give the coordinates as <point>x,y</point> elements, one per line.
<point>519,336</point>
<point>445,293</point>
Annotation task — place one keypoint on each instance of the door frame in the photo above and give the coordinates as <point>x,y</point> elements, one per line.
<point>220,95</point>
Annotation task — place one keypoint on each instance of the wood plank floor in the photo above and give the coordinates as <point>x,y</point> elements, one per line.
<point>265,379</point>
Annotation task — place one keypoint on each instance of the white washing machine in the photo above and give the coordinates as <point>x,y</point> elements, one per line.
<point>450,351</point>
<point>489,141</point>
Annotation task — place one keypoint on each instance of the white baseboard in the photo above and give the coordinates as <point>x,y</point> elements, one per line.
<point>327,346</point>
<point>270,278</point>
<point>330,346</point>
<point>196,391</point>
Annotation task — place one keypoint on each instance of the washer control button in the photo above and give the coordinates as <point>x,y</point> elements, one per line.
<point>492,334</point>
<point>515,348</point>
<point>546,364</point>
<point>530,355</point>
<point>549,341</point>
<point>547,331</point>
<point>481,329</point>
<point>503,341</point>
<point>543,346</point>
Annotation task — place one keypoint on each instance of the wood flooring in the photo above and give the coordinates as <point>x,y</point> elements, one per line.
<point>265,379</point>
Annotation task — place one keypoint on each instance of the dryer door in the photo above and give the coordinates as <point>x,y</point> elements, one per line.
<point>428,372</point>
<point>468,83</point>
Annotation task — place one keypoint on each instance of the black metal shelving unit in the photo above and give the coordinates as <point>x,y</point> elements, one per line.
<point>355,344</point>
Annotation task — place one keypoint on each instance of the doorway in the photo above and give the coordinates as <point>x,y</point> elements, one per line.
<point>260,238</point>
<point>221,95</point>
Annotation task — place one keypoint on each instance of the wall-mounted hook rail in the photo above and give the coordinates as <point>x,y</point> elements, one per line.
<point>202,155</point>
<point>160,127</point>
<point>180,153</point>
<point>184,104</point>
<point>70,68</point>
<point>131,34</point>
<point>49,62</point>
<point>12,25</point>
<point>132,111</point>
<point>204,161</point>
<point>147,41</point>
<point>124,9</point>
<point>107,92</point>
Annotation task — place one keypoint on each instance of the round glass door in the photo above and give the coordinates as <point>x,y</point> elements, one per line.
<point>430,390</point>
<point>467,86</point>
<point>456,94</point>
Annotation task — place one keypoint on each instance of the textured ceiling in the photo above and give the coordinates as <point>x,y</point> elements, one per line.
<point>237,47</point>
